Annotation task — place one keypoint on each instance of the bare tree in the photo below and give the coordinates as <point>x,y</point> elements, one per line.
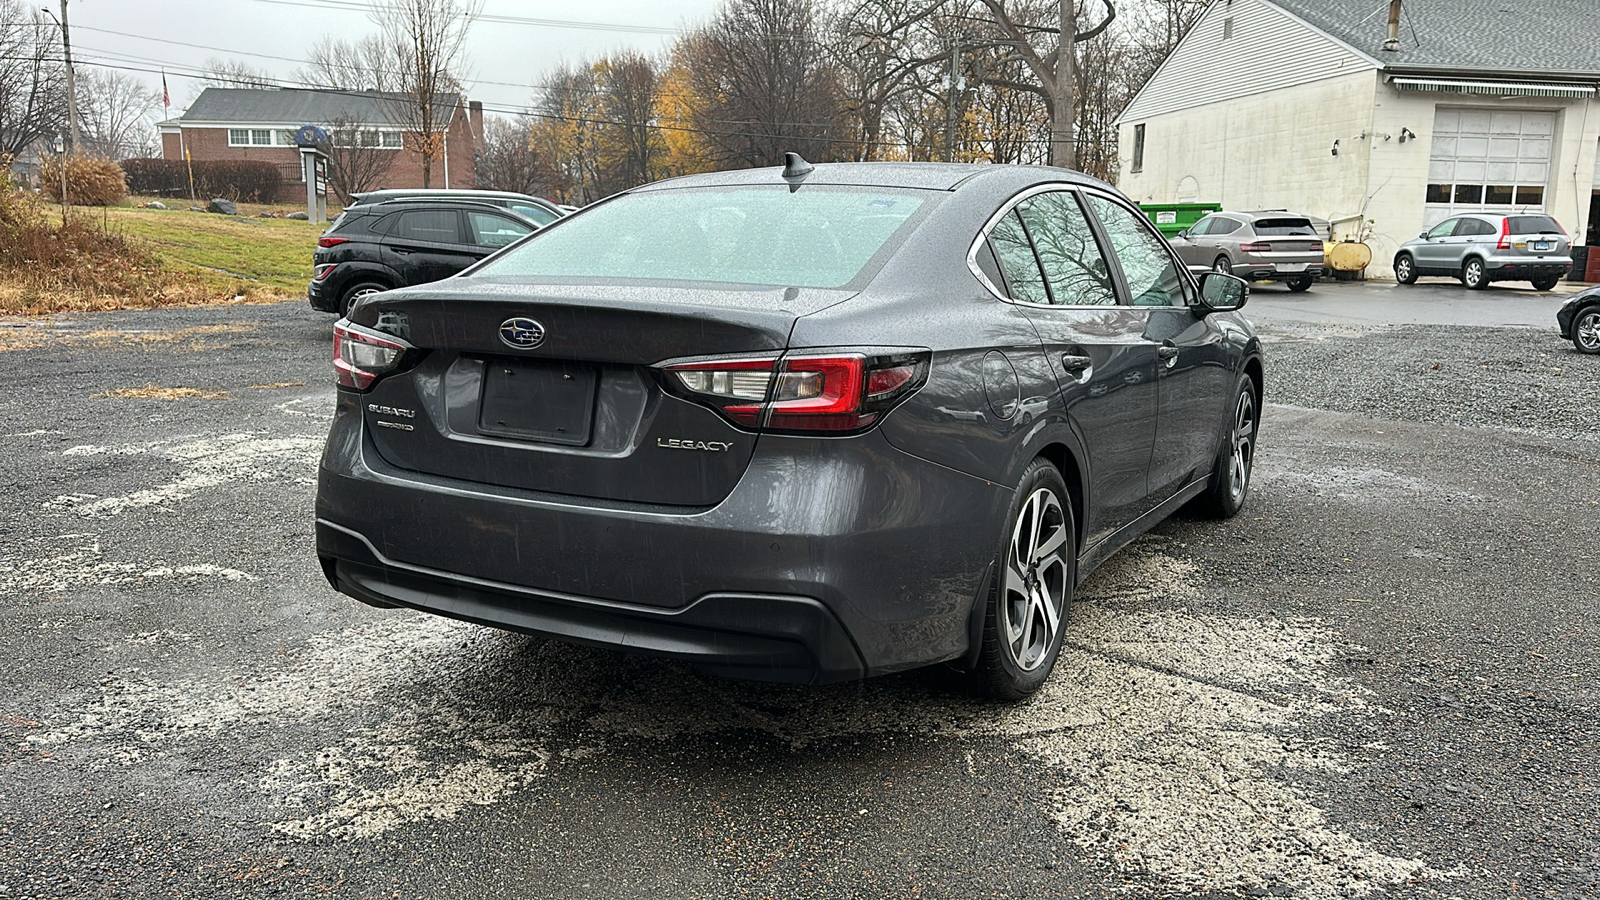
<point>117,111</point>
<point>763,86</point>
<point>233,73</point>
<point>508,161</point>
<point>363,64</point>
<point>33,102</point>
<point>357,160</point>
<point>427,41</point>
<point>634,153</point>
<point>567,131</point>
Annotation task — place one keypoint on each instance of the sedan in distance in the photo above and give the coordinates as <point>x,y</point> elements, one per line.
<point>808,423</point>
<point>1259,246</point>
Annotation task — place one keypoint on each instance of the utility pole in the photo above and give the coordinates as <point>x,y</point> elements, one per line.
<point>1063,119</point>
<point>953,83</point>
<point>72,85</point>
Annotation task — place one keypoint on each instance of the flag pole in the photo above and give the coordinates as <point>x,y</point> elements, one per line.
<point>166,109</point>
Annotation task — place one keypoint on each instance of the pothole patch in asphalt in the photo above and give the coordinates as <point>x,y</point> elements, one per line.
<point>1179,741</point>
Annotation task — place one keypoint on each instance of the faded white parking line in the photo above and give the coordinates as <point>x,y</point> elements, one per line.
<point>75,560</point>
<point>207,463</point>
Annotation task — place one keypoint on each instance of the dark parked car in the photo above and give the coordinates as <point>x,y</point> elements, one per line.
<point>540,211</point>
<point>381,246</point>
<point>807,424</point>
<point>1579,319</point>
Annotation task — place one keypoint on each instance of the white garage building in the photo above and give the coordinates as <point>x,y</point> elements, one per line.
<point>1484,105</point>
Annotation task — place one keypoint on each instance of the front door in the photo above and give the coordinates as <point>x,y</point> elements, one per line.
<point>1194,380</point>
<point>1434,251</point>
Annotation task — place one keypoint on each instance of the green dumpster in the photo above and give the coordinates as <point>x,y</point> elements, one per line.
<point>1171,218</point>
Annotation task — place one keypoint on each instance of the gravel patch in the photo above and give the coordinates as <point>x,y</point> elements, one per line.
<point>1510,378</point>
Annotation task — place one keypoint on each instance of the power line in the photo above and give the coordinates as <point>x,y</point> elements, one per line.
<point>497,18</point>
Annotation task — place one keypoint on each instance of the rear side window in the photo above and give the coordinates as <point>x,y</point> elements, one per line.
<point>1535,225</point>
<point>437,226</point>
<point>818,236</point>
<point>1021,267</point>
<point>1220,225</point>
<point>1284,227</point>
<point>1474,227</point>
<point>1074,270</point>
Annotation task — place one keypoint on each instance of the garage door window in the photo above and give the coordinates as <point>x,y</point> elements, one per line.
<point>1488,161</point>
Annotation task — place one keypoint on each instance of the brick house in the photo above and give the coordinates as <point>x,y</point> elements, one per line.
<point>251,123</point>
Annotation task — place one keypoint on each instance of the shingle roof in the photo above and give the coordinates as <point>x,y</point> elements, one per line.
<point>1554,37</point>
<point>298,107</point>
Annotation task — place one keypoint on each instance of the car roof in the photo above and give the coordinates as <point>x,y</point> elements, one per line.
<point>389,206</point>
<point>914,175</point>
<point>446,193</point>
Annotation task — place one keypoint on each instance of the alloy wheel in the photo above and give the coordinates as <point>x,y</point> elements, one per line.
<point>1223,265</point>
<point>1402,269</point>
<point>1036,588</point>
<point>1243,439</point>
<point>1587,331</point>
<point>1472,276</point>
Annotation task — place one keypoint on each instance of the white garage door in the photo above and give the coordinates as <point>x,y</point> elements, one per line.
<point>1488,161</point>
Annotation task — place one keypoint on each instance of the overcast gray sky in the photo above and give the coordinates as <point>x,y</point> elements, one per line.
<point>147,34</point>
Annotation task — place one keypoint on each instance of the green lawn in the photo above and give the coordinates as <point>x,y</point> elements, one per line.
<point>226,251</point>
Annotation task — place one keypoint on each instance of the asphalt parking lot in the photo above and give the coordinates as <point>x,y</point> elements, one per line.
<point>1380,680</point>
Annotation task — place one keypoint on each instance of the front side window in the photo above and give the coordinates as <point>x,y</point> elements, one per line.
<point>1443,229</point>
<point>818,237</point>
<point>490,230</point>
<point>1015,253</point>
<point>1152,275</point>
<point>1074,270</point>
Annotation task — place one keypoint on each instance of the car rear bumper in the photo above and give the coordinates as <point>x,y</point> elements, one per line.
<point>753,636</point>
<point>1522,269</point>
<point>320,297</point>
<point>824,545</point>
<point>1276,271</point>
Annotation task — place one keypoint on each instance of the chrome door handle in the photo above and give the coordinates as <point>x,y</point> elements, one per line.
<point>1074,363</point>
<point>1167,351</point>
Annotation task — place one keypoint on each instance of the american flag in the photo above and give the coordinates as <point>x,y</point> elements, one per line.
<point>166,98</point>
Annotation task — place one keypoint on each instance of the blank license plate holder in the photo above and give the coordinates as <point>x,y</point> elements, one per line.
<point>549,401</point>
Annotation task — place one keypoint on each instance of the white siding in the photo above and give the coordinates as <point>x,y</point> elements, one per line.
<point>1268,50</point>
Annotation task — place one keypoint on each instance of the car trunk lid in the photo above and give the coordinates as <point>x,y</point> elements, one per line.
<point>552,388</point>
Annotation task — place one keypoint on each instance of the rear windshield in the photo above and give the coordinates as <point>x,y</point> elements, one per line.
<point>1283,226</point>
<point>817,237</point>
<point>1535,225</point>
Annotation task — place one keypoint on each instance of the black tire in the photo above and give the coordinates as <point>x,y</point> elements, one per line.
<point>1474,275</point>
<point>1222,264</point>
<point>1545,284</point>
<point>1405,269</point>
<point>1015,659</point>
<point>1586,330</point>
<point>356,291</point>
<point>1236,456</point>
<point>1300,285</point>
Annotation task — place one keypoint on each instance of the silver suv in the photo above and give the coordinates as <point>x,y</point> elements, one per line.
<point>1270,245</point>
<point>1482,247</point>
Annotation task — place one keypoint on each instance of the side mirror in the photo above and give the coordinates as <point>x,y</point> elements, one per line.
<point>1422,236</point>
<point>1222,293</point>
<point>1183,234</point>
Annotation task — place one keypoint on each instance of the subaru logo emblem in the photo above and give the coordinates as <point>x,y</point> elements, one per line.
<point>521,333</point>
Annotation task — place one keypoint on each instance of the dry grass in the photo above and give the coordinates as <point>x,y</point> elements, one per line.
<point>151,392</point>
<point>195,338</point>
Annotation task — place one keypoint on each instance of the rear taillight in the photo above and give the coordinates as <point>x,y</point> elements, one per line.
<point>1505,235</point>
<point>331,241</point>
<point>361,357</point>
<point>811,391</point>
<point>1255,248</point>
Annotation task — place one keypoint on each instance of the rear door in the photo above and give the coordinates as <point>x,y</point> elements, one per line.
<point>1104,366</point>
<point>425,245</point>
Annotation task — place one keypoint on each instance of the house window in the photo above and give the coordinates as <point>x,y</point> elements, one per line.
<point>391,140</point>
<point>1138,148</point>
<point>1227,27</point>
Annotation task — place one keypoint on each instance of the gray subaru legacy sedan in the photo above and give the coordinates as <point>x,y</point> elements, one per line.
<point>807,423</point>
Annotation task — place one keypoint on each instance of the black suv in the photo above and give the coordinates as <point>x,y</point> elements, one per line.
<point>379,246</point>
